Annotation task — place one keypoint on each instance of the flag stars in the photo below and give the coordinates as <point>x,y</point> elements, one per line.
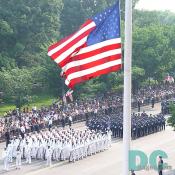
<point>107,26</point>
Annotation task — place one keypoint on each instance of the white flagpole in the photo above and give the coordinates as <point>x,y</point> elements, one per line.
<point>127,86</point>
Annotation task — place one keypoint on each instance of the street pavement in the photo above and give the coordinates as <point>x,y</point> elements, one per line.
<point>108,162</point>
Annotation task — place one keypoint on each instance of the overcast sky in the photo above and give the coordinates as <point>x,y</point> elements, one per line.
<point>156,5</point>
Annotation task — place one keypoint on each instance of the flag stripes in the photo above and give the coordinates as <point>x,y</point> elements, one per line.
<point>61,51</point>
<point>101,45</point>
<point>71,83</point>
<point>90,58</point>
<point>93,71</point>
<point>93,50</point>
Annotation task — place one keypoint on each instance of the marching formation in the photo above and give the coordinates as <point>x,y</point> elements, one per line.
<point>55,145</point>
<point>142,124</point>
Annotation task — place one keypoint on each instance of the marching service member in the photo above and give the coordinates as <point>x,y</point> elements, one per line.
<point>27,152</point>
<point>49,156</point>
<point>18,158</point>
<point>5,158</point>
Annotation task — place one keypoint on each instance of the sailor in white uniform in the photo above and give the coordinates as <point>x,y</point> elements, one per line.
<point>10,151</point>
<point>49,156</point>
<point>5,158</point>
<point>28,152</point>
<point>18,158</point>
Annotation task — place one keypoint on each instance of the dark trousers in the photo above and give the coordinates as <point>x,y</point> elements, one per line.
<point>50,126</point>
<point>138,108</point>
<point>7,142</point>
<point>160,172</point>
<point>70,124</point>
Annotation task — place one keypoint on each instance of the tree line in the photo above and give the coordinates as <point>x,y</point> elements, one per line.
<point>27,28</point>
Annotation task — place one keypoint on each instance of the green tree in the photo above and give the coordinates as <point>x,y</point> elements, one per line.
<point>152,50</point>
<point>27,28</point>
<point>142,18</point>
<point>16,84</point>
<point>171,119</point>
<point>137,77</point>
<point>75,12</point>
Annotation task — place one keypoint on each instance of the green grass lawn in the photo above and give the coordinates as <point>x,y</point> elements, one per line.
<point>5,107</point>
<point>37,101</point>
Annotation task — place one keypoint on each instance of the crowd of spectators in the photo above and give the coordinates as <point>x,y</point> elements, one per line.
<point>80,110</point>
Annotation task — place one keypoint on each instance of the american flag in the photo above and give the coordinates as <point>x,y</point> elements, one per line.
<point>93,50</point>
<point>69,94</point>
